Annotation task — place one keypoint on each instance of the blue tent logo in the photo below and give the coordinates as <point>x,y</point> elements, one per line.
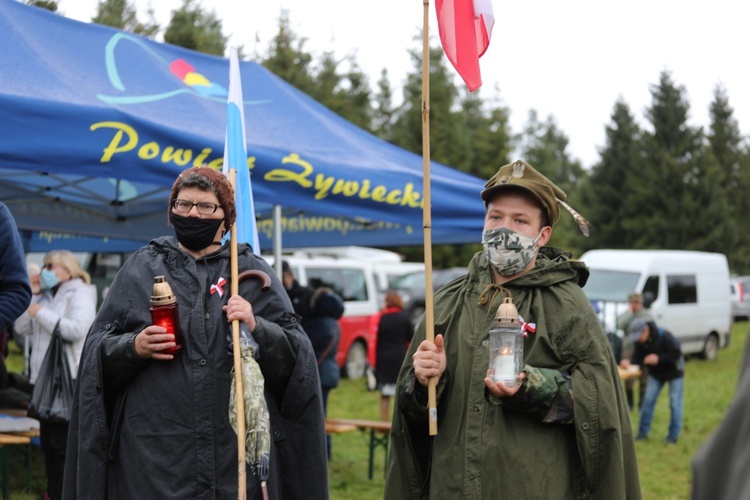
<point>188,79</point>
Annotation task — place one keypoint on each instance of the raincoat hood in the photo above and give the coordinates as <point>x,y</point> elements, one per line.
<point>328,304</point>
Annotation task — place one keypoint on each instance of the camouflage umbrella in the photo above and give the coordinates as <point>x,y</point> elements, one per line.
<point>257,421</point>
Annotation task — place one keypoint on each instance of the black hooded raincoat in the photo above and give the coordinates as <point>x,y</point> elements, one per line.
<point>160,429</point>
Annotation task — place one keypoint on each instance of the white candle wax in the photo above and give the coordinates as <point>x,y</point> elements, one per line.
<point>504,368</point>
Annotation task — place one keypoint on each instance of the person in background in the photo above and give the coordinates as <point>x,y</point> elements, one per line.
<point>35,278</point>
<point>395,331</point>
<point>635,310</point>
<point>15,292</point>
<point>660,351</point>
<point>33,272</point>
<point>298,294</point>
<point>721,462</point>
<point>563,431</point>
<point>150,421</point>
<point>68,302</point>
<point>326,307</point>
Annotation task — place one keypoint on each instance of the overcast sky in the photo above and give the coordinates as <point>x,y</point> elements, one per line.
<point>571,60</point>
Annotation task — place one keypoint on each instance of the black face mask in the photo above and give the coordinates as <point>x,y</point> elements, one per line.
<point>195,233</point>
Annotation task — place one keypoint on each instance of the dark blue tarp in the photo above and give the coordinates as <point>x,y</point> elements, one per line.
<point>95,125</point>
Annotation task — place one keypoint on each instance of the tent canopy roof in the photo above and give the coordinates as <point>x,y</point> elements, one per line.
<point>96,123</point>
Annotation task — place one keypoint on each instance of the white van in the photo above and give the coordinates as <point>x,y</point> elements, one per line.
<point>388,272</point>
<point>360,275</point>
<point>687,293</point>
<point>354,281</point>
<point>387,265</point>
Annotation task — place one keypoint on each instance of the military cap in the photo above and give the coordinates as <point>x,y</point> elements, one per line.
<point>521,174</point>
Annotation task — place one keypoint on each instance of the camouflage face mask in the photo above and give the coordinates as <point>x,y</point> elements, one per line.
<point>509,252</point>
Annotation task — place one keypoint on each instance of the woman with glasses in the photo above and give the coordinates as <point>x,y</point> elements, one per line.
<point>67,301</point>
<point>150,422</point>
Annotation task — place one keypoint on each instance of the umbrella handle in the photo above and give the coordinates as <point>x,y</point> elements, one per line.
<point>255,273</point>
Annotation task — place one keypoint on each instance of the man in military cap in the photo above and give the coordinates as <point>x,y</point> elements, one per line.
<point>563,431</point>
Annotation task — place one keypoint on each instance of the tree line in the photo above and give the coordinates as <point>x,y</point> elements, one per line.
<point>665,185</point>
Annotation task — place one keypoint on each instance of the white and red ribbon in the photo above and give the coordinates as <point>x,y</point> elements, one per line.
<point>218,287</point>
<point>526,328</point>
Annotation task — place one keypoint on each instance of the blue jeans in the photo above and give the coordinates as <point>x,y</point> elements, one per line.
<point>653,387</point>
<point>325,391</point>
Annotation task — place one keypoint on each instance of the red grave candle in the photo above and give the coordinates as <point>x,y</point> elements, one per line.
<point>164,311</point>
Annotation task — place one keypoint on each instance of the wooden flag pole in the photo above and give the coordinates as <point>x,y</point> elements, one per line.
<point>239,389</point>
<point>426,211</point>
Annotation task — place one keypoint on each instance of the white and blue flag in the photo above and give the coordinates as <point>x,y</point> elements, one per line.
<point>235,157</point>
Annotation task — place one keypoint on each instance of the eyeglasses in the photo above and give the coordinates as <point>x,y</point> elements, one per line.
<point>49,266</point>
<point>204,208</point>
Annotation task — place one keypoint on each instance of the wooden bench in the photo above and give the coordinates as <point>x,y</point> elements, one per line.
<point>630,373</point>
<point>379,433</point>
<point>5,441</point>
<point>10,437</point>
<point>336,428</point>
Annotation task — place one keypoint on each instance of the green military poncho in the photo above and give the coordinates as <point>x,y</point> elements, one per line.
<point>488,447</point>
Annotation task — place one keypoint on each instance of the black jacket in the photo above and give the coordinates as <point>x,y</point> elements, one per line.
<point>15,292</point>
<point>143,428</point>
<point>325,332</point>
<point>395,331</point>
<point>300,297</point>
<point>662,343</point>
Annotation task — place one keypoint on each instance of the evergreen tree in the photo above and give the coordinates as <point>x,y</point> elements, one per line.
<point>347,94</point>
<point>50,5</point>
<point>545,146</point>
<point>724,138</point>
<point>447,142</point>
<point>326,79</point>
<point>357,96</point>
<point>407,126</point>
<point>194,28</point>
<point>121,14</point>
<point>487,131</point>
<point>288,59</point>
<point>383,113</point>
<point>730,152</point>
<point>683,207</point>
<point>604,196</point>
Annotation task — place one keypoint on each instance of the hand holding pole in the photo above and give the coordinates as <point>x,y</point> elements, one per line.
<point>426,214</point>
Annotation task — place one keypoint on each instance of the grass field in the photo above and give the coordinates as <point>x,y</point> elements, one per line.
<point>665,470</point>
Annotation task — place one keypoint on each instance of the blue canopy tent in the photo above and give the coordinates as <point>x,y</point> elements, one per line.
<point>96,123</point>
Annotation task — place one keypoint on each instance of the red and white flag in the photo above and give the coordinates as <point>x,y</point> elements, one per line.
<point>465,28</point>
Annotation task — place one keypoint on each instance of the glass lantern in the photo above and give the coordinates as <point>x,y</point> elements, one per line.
<point>506,345</point>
